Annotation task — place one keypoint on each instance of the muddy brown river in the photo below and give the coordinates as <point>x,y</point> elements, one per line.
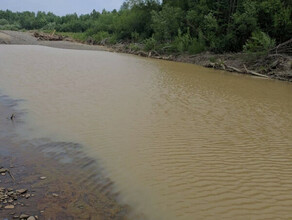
<point>179,141</point>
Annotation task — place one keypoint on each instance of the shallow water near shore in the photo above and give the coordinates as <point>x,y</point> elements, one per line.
<point>72,185</point>
<point>178,141</point>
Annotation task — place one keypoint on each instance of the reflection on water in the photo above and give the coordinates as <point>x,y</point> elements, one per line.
<point>179,141</point>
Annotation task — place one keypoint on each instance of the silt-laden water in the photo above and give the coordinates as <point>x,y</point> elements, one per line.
<point>179,141</point>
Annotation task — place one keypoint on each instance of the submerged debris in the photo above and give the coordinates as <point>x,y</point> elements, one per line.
<point>3,172</point>
<point>12,117</point>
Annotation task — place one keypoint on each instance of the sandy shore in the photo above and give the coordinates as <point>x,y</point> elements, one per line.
<point>59,180</point>
<point>27,38</point>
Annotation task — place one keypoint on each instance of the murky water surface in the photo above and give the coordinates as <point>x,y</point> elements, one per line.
<point>179,141</point>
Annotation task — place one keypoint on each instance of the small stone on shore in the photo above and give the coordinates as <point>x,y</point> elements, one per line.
<point>9,207</point>
<point>21,191</point>
<point>31,218</point>
<point>3,170</point>
<point>25,216</point>
<point>43,177</point>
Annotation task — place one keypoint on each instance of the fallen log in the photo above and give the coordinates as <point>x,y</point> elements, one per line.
<point>210,65</point>
<point>155,53</point>
<point>223,66</point>
<point>142,53</point>
<point>53,33</point>
<point>167,58</point>
<point>233,69</point>
<point>254,73</point>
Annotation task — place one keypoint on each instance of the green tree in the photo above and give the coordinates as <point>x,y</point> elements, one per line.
<point>166,22</point>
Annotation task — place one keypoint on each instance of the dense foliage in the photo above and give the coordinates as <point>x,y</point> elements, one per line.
<point>181,26</point>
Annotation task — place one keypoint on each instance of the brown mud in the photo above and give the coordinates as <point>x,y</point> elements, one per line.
<point>61,181</point>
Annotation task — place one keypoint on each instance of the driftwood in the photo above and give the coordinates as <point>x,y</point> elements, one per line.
<point>53,33</point>
<point>155,53</point>
<point>210,65</point>
<point>283,48</point>
<point>48,37</point>
<point>167,58</point>
<point>234,69</point>
<point>254,73</point>
<point>142,53</point>
<point>193,56</point>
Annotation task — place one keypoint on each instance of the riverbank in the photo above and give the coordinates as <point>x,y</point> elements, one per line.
<point>273,66</point>
<point>42,179</point>
<point>276,66</point>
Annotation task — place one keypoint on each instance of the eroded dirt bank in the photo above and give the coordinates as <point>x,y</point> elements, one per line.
<point>50,180</point>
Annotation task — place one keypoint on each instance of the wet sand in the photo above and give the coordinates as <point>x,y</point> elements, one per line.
<point>73,188</point>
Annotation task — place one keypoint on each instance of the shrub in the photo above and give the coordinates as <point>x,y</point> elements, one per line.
<point>12,27</point>
<point>197,46</point>
<point>150,44</point>
<point>113,39</point>
<point>100,37</point>
<point>182,42</point>
<point>185,43</point>
<point>135,36</point>
<point>134,47</point>
<point>3,21</point>
<point>259,42</point>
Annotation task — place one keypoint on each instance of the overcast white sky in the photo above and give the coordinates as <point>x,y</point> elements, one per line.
<point>60,7</point>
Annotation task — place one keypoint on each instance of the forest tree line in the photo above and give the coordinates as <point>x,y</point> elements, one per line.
<point>185,26</point>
